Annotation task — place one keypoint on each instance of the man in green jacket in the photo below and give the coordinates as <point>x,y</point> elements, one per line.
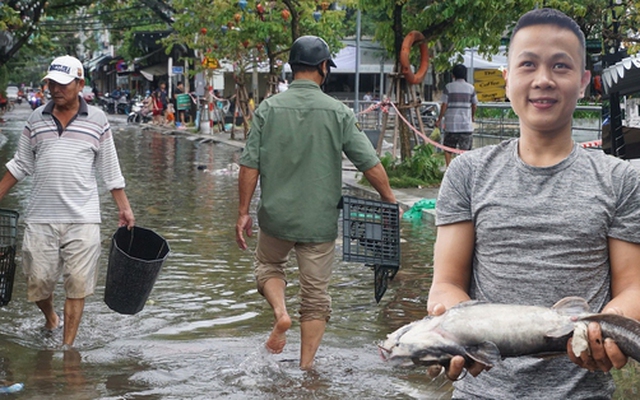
<point>295,148</point>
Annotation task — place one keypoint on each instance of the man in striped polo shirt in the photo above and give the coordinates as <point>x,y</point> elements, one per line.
<point>459,103</point>
<point>63,146</point>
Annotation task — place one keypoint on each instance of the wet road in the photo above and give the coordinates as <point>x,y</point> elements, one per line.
<point>201,334</point>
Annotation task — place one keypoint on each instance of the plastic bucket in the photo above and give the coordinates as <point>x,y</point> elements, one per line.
<point>135,260</point>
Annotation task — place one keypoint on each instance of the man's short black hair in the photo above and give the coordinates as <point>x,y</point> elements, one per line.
<point>550,16</point>
<point>459,71</point>
<point>295,68</point>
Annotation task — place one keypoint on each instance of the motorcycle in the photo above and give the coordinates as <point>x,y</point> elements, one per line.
<point>34,101</point>
<point>122,105</point>
<point>139,113</point>
<point>107,104</point>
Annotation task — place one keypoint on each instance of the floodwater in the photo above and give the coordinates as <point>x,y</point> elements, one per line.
<point>201,334</point>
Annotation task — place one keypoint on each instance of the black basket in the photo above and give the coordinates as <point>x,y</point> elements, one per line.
<point>135,260</point>
<point>371,232</point>
<point>8,233</point>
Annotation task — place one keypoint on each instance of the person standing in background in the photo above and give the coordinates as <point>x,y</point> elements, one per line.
<point>459,104</point>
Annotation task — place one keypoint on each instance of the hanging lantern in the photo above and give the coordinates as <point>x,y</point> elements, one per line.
<point>317,15</point>
<point>285,14</point>
<point>324,5</point>
<point>242,4</point>
<point>237,17</point>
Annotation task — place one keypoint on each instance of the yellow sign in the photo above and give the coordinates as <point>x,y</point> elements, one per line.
<point>489,84</point>
<point>482,86</point>
<point>496,94</point>
<point>211,63</point>
<point>486,74</point>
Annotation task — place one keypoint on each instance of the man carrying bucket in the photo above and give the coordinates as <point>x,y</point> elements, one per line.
<point>63,145</point>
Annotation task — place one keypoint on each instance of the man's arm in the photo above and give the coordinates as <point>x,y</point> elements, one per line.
<point>443,110</point>
<point>247,181</point>
<point>624,258</point>
<point>125,214</point>
<point>8,181</point>
<point>452,258</point>
<point>378,178</point>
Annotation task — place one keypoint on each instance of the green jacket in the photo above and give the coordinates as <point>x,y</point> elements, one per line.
<point>296,142</point>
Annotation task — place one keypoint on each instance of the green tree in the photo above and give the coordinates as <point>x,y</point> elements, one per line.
<point>246,33</point>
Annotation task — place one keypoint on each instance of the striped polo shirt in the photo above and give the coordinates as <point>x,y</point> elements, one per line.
<point>459,96</point>
<point>64,164</point>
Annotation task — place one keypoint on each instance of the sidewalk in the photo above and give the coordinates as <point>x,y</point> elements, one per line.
<point>406,197</point>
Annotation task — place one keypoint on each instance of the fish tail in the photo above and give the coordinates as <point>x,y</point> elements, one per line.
<point>624,331</point>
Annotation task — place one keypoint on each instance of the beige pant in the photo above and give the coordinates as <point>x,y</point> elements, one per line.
<point>315,263</point>
<point>53,250</point>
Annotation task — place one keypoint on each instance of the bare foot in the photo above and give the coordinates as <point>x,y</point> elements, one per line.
<point>51,325</point>
<point>278,338</point>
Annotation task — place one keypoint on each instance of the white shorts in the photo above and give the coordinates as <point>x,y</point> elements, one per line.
<point>53,250</point>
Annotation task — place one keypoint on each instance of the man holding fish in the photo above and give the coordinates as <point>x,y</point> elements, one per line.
<point>535,219</point>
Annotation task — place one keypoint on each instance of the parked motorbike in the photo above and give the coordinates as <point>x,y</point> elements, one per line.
<point>429,113</point>
<point>122,105</point>
<point>139,113</point>
<point>34,101</point>
<point>107,104</point>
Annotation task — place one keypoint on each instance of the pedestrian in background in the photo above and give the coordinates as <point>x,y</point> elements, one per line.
<point>295,149</point>
<point>63,146</point>
<point>163,97</point>
<point>537,218</point>
<point>180,113</point>
<point>458,108</point>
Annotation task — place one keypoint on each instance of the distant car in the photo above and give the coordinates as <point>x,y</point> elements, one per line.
<point>12,93</point>
<point>87,94</point>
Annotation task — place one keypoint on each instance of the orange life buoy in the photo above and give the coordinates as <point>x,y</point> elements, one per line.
<point>412,38</point>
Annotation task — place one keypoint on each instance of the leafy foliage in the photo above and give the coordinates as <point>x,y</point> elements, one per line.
<point>257,31</point>
<point>423,168</point>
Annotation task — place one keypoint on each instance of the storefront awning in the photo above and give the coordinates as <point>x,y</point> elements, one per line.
<point>622,77</point>
<point>154,70</point>
<point>97,62</point>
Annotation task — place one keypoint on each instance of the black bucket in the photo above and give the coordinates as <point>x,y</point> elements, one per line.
<point>135,260</point>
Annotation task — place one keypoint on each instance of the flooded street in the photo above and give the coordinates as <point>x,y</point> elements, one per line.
<point>201,334</point>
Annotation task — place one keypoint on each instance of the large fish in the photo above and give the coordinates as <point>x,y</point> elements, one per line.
<point>489,332</point>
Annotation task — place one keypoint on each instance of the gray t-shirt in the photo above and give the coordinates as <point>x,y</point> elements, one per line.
<point>541,235</point>
<point>459,96</point>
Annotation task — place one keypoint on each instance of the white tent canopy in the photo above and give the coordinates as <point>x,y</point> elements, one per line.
<point>372,59</point>
<point>473,60</point>
<point>623,77</point>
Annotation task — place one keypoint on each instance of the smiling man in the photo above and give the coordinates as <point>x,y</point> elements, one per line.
<point>64,145</point>
<point>534,219</point>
